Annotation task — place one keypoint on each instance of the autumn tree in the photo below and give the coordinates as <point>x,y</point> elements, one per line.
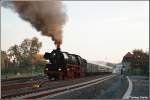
<point>23,53</point>
<point>39,62</point>
<point>30,47</point>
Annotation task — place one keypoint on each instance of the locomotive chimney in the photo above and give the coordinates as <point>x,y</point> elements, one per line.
<point>58,49</point>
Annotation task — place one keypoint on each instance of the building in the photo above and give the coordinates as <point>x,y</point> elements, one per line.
<point>126,61</point>
<point>117,68</point>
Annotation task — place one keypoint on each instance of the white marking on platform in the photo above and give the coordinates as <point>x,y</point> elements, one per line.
<point>129,90</point>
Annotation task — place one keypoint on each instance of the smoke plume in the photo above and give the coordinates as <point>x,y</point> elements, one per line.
<point>46,16</point>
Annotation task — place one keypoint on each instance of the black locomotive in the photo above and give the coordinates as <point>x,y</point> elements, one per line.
<point>63,65</point>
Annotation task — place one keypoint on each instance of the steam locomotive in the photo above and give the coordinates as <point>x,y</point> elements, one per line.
<point>63,65</point>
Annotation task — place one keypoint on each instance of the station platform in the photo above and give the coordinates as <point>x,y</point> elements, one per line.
<point>140,87</point>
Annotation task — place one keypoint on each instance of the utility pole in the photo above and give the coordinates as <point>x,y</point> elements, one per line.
<point>33,68</point>
<point>6,69</point>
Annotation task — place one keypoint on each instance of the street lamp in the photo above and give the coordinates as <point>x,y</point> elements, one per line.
<point>33,68</point>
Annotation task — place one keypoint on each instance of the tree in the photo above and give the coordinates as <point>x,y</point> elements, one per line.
<point>37,57</point>
<point>20,58</point>
<point>140,60</point>
<point>30,47</point>
<point>15,53</point>
<point>40,64</point>
<point>4,59</point>
<point>23,53</point>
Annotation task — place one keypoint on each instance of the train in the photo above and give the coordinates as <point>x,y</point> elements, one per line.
<point>63,65</point>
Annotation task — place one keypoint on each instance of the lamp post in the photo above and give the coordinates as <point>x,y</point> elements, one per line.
<point>33,68</point>
<point>6,71</point>
<point>6,68</point>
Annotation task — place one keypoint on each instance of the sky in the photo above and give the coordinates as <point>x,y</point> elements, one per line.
<point>95,30</point>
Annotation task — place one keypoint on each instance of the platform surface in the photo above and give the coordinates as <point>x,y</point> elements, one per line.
<point>140,86</point>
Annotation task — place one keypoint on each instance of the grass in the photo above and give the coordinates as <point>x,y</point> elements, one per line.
<point>15,72</point>
<point>136,71</point>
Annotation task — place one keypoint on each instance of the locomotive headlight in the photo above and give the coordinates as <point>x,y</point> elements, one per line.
<point>67,69</point>
<point>54,54</point>
<point>59,69</point>
<point>46,68</point>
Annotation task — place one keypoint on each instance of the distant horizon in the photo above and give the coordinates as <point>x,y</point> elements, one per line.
<point>95,30</point>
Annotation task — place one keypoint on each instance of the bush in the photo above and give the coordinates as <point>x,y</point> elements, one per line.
<point>25,68</point>
<point>137,71</point>
<point>15,70</point>
<point>39,66</point>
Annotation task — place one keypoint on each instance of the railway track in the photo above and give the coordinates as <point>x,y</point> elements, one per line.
<point>20,80</point>
<point>29,83</point>
<point>50,87</point>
